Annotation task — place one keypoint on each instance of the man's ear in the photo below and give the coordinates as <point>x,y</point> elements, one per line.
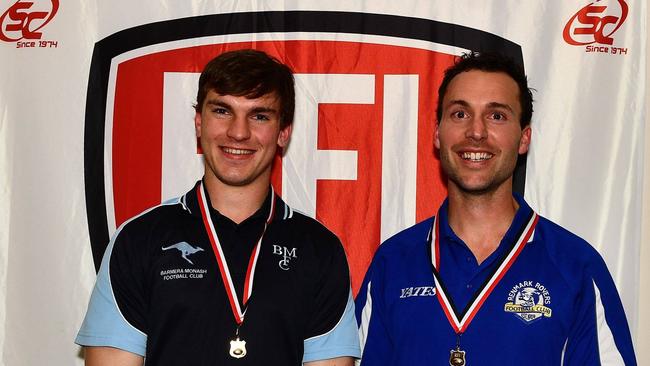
<point>524,141</point>
<point>197,124</point>
<point>284,136</point>
<point>436,139</point>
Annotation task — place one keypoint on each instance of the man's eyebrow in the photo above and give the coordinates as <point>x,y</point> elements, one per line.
<point>464,103</point>
<point>460,102</point>
<point>264,110</point>
<point>217,103</point>
<point>501,105</point>
<point>220,103</point>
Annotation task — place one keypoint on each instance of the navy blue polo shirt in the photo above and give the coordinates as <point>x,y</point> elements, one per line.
<point>159,291</point>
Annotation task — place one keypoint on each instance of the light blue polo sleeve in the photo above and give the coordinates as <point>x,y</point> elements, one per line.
<point>341,341</point>
<point>104,325</point>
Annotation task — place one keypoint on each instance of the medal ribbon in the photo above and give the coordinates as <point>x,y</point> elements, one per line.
<point>460,323</point>
<point>221,259</point>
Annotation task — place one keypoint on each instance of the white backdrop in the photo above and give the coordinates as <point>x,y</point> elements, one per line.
<point>585,169</point>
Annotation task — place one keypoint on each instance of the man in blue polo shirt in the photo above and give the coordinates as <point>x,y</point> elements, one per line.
<point>487,281</point>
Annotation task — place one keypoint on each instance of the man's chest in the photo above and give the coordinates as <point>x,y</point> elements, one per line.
<point>187,272</point>
<point>528,306</point>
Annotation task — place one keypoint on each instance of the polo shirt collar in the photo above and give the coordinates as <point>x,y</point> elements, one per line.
<point>521,217</point>
<point>191,203</point>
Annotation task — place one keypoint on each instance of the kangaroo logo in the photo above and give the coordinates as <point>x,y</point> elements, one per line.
<point>185,250</point>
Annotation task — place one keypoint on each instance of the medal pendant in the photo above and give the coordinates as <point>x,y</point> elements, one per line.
<point>457,357</point>
<point>237,348</point>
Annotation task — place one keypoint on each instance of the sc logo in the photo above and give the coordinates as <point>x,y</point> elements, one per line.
<point>22,21</point>
<point>595,24</point>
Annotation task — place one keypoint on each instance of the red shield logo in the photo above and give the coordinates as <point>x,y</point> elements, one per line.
<point>361,158</point>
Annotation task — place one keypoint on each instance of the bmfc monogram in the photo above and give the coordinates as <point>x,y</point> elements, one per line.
<point>287,255</point>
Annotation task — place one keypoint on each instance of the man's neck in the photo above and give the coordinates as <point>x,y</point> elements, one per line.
<point>482,220</point>
<point>236,203</point>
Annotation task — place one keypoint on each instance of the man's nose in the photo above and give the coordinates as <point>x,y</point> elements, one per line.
<point>476,129</point>
<point>239,129</point>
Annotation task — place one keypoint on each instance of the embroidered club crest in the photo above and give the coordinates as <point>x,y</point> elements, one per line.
<point>529,301</point>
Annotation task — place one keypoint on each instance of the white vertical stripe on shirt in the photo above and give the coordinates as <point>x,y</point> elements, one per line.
<point>365,319</point>
<point>609,354</point>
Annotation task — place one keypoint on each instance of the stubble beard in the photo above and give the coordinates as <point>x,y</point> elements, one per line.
<point>486,187</point>
<point>236,181</point>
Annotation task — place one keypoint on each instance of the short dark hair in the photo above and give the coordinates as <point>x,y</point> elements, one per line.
<point>490,62</point>
<point>252,74</point>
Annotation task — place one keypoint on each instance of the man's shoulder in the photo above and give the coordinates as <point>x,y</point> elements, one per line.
<point>305,229</point>
<point>165,214</point>
<point>572,255</point>
<point>561,240</point>
<point>408,239</point>
<point>302,221</point>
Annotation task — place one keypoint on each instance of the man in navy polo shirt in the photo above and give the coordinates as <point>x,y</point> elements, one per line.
<point>227,274</point>
<point>487,281</point>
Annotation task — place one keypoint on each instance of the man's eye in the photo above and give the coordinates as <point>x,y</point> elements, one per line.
<point>459,114</point>
<point>261,117</point>
<point>219,110</point>
<point>498,116</point>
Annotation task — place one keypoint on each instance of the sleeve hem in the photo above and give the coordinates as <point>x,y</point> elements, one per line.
<point>332,353</point>
<point>94,341</point>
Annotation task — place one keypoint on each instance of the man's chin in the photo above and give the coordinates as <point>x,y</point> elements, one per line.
<point>240,180</point>
<point>477,187</point>
<point>477,190</point>
<point>235,181</point>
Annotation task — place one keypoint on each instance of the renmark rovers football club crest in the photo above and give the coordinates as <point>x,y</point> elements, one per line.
<point>529,301</point>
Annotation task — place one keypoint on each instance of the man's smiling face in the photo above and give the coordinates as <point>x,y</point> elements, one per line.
<point>479,135</point>
<point>239,137</point>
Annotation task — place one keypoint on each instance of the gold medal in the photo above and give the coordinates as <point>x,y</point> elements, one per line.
<point>238,348</point>
<point>457,357</point>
